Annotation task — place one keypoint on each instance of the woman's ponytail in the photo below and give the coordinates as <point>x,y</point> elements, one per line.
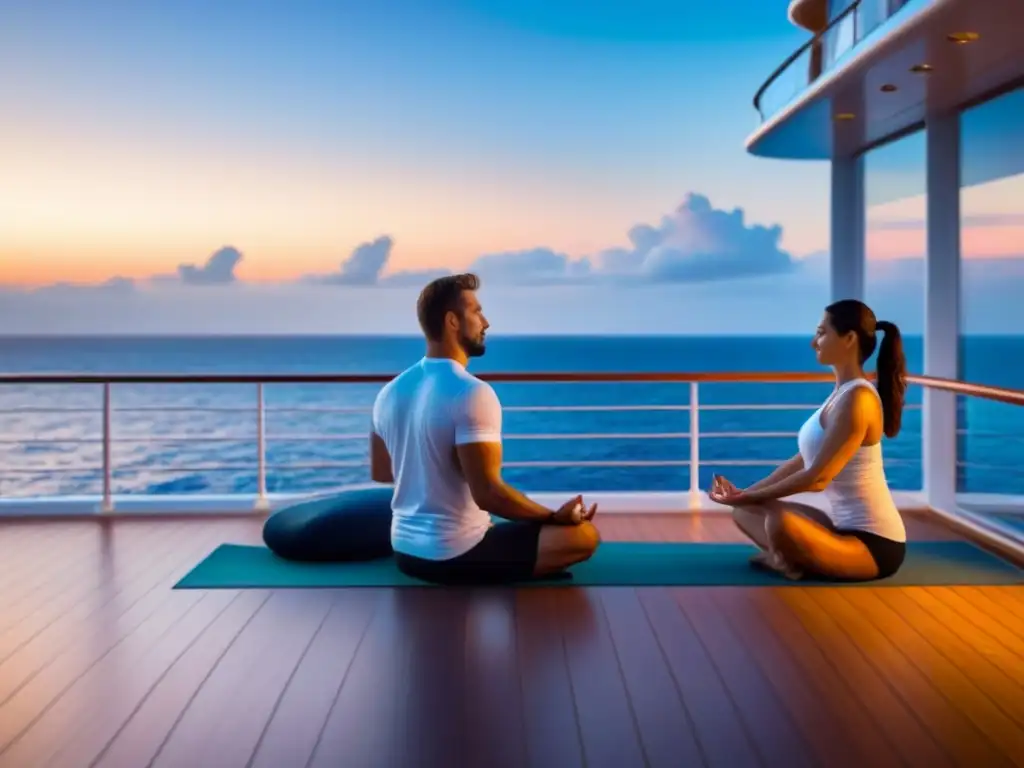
<point>891,373</point>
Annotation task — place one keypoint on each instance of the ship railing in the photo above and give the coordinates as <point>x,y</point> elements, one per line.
<point>688,415</point>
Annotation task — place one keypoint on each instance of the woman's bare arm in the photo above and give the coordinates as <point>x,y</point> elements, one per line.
<point>784,470</point>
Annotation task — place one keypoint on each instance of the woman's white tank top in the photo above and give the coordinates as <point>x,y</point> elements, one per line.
<point>859,495</point>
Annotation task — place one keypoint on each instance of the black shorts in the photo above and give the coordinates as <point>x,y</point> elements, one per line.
<point>888,554</point>
<point>507,553</point>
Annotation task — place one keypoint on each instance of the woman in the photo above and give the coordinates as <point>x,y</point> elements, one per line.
<point>862,537</point>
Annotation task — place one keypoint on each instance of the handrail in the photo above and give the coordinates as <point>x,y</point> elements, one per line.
<point>798,53</point>
<point>684,377</point>
<point>983,391</point>
<point>691,379</point>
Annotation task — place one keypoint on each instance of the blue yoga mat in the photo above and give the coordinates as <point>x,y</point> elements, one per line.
<point>633,564</point>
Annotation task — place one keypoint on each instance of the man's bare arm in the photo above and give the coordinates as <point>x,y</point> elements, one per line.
<point>479,452</point>
<point>380,460</point>
<point>481,467</point>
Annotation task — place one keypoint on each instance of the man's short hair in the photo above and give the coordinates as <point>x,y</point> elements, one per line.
<point>440,297</point>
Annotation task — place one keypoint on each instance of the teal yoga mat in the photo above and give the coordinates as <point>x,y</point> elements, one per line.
<point>625,564</point>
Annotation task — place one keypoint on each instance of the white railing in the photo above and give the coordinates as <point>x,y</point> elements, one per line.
<point>693,434</point>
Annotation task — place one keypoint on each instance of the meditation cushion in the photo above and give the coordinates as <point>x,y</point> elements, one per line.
<point>354,524</point>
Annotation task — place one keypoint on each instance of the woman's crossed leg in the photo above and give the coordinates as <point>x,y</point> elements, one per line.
<point>798,539</point>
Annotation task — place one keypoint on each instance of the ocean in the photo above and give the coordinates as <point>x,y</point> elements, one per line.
<point>202,438</point>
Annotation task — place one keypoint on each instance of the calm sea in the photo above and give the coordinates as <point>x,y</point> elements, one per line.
<point>195,439</point>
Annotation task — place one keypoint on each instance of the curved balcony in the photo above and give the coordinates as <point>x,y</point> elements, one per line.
<point>833,40</point>
<point>815,57</point>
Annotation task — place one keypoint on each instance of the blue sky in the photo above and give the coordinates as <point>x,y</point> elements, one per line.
<point>140,140</point>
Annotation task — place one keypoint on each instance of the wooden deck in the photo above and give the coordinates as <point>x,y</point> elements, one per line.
<point>102,664</point>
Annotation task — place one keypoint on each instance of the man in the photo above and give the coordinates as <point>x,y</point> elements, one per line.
<point>437,436</point>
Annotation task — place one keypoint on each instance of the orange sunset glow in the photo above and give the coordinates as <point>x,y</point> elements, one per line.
<point>79,231</point>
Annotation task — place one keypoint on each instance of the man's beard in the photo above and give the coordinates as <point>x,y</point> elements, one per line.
<point>473,347</point>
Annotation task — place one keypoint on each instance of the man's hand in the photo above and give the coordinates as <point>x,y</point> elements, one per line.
<point>574,512</point>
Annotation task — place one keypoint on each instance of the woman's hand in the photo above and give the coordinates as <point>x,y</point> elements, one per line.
<point>732,498</point>
<point>720,485</point>
<point>724,492</point>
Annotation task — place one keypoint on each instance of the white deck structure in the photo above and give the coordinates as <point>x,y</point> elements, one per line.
<point>875,71</point>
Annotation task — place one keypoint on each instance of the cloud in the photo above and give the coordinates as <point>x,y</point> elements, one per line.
<point>699,243</point>
<point>363,266</point>
<point>412,277</point>
<point>219,269</point>
<point>118,284</point>
<point>113,286</point>
<point>530,267</point>
<point>366,266</point>
<point>695,243</point>
<point>757,305</point>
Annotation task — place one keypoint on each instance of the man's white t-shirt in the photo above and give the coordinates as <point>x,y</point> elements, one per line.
<point>421,415</point>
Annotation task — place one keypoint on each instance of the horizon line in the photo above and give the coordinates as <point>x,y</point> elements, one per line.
<point>142,335</point>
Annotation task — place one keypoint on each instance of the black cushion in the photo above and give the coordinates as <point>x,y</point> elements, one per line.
<point>354,524</point>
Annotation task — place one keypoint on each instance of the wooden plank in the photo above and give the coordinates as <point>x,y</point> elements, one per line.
<point>56,622</point>
<point>1005,648</point>
<point>138,740</point>
<point>838,731</point>
<point>22,570</point>
<point>495,727</point>
<point>604,710</point>
<point>77,569</point>
<point>107,666</point>
<point>76,728</point>
<point>665,726</point>
<point>942,672</point>
<point>777,739</point>
<point>430,708</point>
<point>724,736</point>
<point>968,647</point>
<point>849,682</point>
<point>301,711</point>
<point>955,733</point>
<point>364,727</point>
<point>28,696</point>
<point>1001,605</point>
<point>222,722</point>
<point>550,719</point>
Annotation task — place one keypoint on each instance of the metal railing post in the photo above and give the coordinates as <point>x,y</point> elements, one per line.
<point>262,503</point>
<point>694,438</point>
<point>107,505</point>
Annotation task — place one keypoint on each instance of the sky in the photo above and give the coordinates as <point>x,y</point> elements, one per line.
<point>181,167</point>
